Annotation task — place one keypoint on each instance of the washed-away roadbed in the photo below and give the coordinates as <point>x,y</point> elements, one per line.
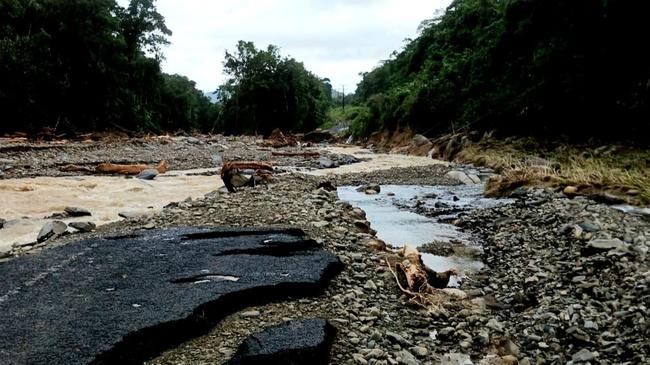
<point>564,280</point>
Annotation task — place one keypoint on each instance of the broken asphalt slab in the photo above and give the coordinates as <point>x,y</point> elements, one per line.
<point>126,299</point>
<point>296,342</point>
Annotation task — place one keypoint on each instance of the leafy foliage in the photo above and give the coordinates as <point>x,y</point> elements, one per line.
<point>265,91</point>
<point>534,67</point>
<point>81,65</point>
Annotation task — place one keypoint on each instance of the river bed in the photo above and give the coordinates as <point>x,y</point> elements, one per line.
<point>391,214</point>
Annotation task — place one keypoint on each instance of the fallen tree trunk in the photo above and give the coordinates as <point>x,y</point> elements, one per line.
<point>231,172</point>
<point>120,169</point>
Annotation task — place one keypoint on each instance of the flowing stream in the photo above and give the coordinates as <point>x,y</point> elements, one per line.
<point>391,214</point>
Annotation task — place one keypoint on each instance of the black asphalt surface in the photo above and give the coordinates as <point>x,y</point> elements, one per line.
<point>296,342</point>
<point>126,299</point>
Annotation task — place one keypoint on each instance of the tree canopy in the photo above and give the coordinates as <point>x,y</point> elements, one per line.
<point>82,65</point>
<point>535,67</point>
<point>265,91</point>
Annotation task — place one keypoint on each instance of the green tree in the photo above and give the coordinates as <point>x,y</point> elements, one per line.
<point>265,91</point>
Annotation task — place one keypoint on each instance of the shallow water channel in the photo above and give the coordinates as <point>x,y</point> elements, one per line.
<point>391,214</point>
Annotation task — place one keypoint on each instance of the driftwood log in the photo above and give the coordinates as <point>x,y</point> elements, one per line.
<point>414,276</point>
<point>232,176</point>
<point>120,169</point>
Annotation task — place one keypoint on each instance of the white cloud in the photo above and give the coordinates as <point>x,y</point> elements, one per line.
<point>335,38</point>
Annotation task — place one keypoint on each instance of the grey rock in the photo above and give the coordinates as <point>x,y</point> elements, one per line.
<point>217,160</point>
<point>83,226</point>
<point>370,189</point>
<point>147,174</point>
<point>132,214</point>
<point>462,177</point>
<point>583,355</point>
<point>77,212</point>
<point>370,285</point>
<point>606,245</point>
<point>250,314</point>
<point>51,229</point>
<point>455,359</point>
<point>589,226</point>
<point>406,358</point>
<point>419,351</point>
<point>395,337</point>
<point>447,332</point>
<point>376,354</point>
<point>495,325</point>
<point>320,224</point>
<point>326,163</point>
<point>2,223</point>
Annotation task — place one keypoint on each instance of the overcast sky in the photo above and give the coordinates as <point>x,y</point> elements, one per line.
<point>333,38</point>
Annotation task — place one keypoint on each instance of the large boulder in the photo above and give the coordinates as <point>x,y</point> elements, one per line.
<point>51,229</point>
<point>419,146</point>
<point>467,179</point>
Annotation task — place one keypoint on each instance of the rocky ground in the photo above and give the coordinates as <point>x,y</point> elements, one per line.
<point>27,159</point>
<point>566,280</point>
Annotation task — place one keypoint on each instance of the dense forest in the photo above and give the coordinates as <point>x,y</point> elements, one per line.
<point>520,67</point>
<point>84,65</point>
<point>265,91</point>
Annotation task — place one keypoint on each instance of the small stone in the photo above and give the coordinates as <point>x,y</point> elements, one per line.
<point>495,325</point>
<point>376,354</point>
<point>591,325</point>
<point>370,285</point>
<point>326,163</point>
<point>511,348</point>
<point>77,212</point>
<point>406,358</point>
<point>447,332</point>
<point>607,244</point>
<point>462,177</point>
<point>147,174</point>
<point>132,214</point>
<point>83,226</point>
<point>2,223</point>
<point>370,189</point>
<point>570,191</point>
<point>359,359</point>
<point>395,337</point>
<point>419,351</point>
<point>51,229</point>
<point>250,314</point>
<point>583,355</point>
<point>320,224</point>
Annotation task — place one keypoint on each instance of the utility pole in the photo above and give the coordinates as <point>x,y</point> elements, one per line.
<point>343,98</point>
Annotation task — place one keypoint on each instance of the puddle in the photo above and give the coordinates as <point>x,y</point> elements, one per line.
<point>25,202</point>
<point>390,214</point>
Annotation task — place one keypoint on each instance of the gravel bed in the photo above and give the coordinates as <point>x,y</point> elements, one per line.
<point>566,280</point>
